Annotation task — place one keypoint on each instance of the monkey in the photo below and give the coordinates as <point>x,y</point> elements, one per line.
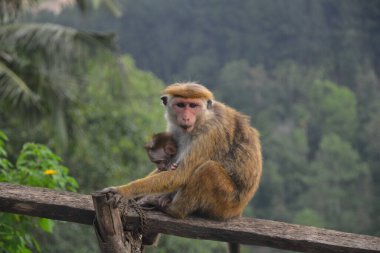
<point>219,158</point>
<point>161,150</point>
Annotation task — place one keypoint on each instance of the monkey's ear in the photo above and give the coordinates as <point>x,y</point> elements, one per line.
<point>209,104</point>
<point>170,149</point>
<point>164,100</point>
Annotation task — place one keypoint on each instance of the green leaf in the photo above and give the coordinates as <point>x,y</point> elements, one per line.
<point>3,136</point>
<point>46,225</point>
<point>14,89</point>
<point>25,250</point>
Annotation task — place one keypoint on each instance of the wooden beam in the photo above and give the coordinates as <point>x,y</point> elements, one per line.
<point>78,208</point>
<point>47,203</point>
<point>260,232</point>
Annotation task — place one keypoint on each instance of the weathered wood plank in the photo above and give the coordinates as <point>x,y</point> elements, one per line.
<point>42,202</point>
<point>262,233</point>
<point>79,208</point>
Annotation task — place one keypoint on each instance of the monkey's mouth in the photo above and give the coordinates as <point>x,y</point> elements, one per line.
<point>187,128</point>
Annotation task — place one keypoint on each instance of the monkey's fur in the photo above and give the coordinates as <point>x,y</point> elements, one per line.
<point>219,160</point>
<point>161,150</point>
<point>219,170</point>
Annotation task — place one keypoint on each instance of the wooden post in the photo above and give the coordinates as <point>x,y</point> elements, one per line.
<point>108,227</point>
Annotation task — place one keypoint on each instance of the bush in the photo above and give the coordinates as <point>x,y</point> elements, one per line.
<point>36,165</point>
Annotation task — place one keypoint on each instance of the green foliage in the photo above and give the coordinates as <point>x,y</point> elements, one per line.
<point>112,124</point>
<point>114,117</point>
<point>309,128</point>
<point>338,185</point>
<point>38,47</point>
<point>36,165</point>
<point>242,86</point>
<point>309,217</point>
<point>93,114</point>
<point>201,67</point>
<point>39,70</point>
<point>4,163</point>
<point>339,35</point>
<point>333,110</point>
<point>284,175</point>
<point>371,137</point>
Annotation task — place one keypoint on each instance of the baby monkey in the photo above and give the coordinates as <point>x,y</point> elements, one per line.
<point>161,151</point>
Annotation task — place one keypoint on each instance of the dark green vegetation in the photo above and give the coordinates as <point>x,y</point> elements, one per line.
<point>307,72</point>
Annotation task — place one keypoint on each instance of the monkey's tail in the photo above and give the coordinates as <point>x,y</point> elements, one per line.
<point>233,247</point>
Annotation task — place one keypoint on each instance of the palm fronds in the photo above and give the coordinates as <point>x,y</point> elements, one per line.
<point>35,58</point>
<point>84,5</point>
<point>11,9</point>
<point>42,65</point>
<point>55,40</point>
<point>14,89</point>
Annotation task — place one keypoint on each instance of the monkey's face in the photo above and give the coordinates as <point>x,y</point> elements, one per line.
<point>159,157</point>
<point>161,165</point>
<point>186,111</point>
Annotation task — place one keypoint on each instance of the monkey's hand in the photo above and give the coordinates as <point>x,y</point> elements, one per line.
<point>148,202</point>
<point>113,196</point>
<point>164,201</point>
<point>173,166</point>
<point>155,202</point>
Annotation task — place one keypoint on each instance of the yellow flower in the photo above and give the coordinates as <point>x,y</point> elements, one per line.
<point>50,172</point>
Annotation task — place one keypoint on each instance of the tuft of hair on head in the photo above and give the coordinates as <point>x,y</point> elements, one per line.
<point>188,90</point>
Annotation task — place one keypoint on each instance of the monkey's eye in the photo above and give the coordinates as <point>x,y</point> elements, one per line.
<point>193,105</point>
<point>180,105</point>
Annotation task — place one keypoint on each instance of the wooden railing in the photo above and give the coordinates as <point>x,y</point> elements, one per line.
<point>79,208</point>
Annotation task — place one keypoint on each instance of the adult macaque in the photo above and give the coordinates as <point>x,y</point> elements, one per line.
<point>219,158</point>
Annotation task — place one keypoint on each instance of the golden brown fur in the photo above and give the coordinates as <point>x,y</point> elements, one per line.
<point>188,90</point>
<point>218,171</point>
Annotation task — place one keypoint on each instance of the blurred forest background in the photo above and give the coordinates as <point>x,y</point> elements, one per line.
<point>86,82</point>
